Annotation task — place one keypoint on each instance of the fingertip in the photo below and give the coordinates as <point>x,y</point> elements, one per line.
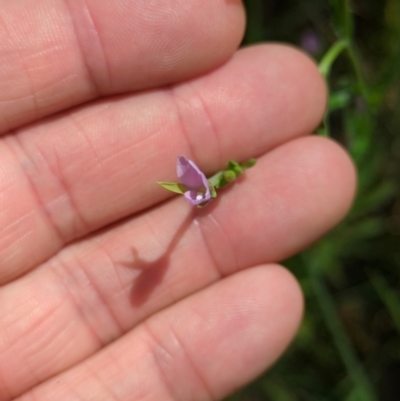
<point>294,78</point>
<point>337,171</point>
<point>264,313</point>
<point>280,301</point>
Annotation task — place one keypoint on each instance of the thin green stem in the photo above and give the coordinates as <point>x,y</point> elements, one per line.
<point>331,55</point>
<point>325,66</point>
<point>346,19</point>
<point>353,57</point>
<point>228,175</point>
<point>388,296</point>
<point>345,43</point>
<point>343,344</point>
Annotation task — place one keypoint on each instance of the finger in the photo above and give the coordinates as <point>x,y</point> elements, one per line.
<point>88,48</point>
<point>68,177</point>
<point>202,348</point>
<point>109,283</point>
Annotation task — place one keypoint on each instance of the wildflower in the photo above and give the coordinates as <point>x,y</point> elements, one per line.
<point>196,188</point>
<point>195,182</point>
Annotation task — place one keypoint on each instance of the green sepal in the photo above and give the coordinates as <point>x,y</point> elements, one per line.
<point>212,190</point>
<point>235,167</point>
<point>218,180</point>
<point>249,163</point>
<point>229,176</point>
<point>173,187</point>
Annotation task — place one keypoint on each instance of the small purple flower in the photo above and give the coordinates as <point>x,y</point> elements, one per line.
<point>311,42</point>
<point>194,180</point>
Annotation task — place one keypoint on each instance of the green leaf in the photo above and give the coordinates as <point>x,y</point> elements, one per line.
<point>173,187</point>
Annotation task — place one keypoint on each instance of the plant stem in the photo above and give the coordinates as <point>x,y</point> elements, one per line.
<point>362,86</point>
<point>330,57</point>
<point>346,20</point>
<point>338,332</point>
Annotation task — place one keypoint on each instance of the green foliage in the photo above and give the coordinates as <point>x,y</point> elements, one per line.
<point>348,347</point>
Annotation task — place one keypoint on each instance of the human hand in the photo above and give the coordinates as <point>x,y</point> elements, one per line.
<point>110,289</point>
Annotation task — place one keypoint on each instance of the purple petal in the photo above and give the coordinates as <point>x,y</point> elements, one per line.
<point>197,198</point>
<point>194,180</point>
<point>190,175</point>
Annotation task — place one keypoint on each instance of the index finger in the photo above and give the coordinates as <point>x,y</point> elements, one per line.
<point>70,176</point>
<point>57,54</point>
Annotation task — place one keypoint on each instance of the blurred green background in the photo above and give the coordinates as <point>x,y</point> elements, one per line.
<point>348,347</point>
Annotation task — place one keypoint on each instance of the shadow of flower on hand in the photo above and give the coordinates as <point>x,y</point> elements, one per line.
<point>152,272</point>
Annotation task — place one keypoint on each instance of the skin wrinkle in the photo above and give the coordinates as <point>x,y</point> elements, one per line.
<point>34,373</point>
<point>34,111</point>
<point>114,264</point>
<point>192,365</point>
<point>85,226</point>
<point>98,294</point>
<point>71,390</point>
<point>232,249</point>
<point>83,134</point>
<point>156,238</point>
<point>36,326</point>
<point>31,88</point>
<point>186,137</point>
<point>57,355</point>
<point>53,96</point>
<point>115,362</point>
<point>102,161</point>
<point>15,140</point>
<point>210,122</point>
<point>14,253</point>
<point>74,301</point>
<point>89,30</point>
<point>157,350</point>
<point>95,376</point>
<point>160,354</point>
<point>10,101</point>
<point>56,171</point>
<point>3,385</point>
<point>178,295</point>
<point>15,223</point>
<point>13,343</point>
<point>79,224</point>
<point>6,392</point>
<point>30,396</point>
<point>197,223</point>
<point>27,97</point>
<point>104,303</point>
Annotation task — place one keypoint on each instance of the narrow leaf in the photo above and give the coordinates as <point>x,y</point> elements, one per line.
<point>173,187</point>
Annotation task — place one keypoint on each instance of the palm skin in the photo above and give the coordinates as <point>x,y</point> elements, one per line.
<point>111,289</point>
